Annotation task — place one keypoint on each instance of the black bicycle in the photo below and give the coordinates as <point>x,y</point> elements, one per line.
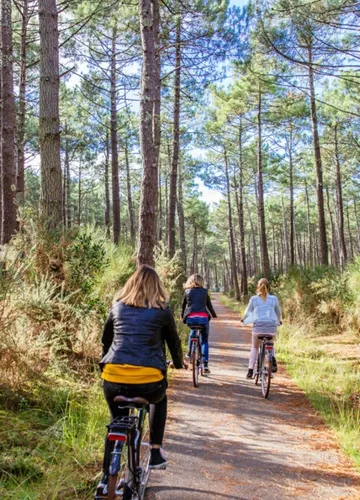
<point>264,363</point>
<point>196,359</point>
<point>127,455</point>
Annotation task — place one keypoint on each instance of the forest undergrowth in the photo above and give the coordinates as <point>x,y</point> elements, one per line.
<point>319,343</point>
<point>54,296</point>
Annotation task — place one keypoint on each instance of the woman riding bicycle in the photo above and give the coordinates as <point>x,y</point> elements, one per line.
<point>134,359</point>
<point>197,309</point>
<point>264,312</point>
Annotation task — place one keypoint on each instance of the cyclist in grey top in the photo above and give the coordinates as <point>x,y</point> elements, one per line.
<point>263,311</point>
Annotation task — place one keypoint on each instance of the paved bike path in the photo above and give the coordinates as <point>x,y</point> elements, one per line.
<point>224,441</point>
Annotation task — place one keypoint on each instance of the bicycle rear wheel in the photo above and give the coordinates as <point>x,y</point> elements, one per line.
<point>266,378</point>
<point>195,354</point>
<point>114,470</point>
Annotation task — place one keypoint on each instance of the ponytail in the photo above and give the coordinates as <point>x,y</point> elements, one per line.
<point>263,287</point>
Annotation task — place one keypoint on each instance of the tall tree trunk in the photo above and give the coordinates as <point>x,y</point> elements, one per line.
<point>216,277</point>
<point>150,81</point>
<point>67,195</point>
<point>160,217</point>
<point>114,142</point>
<point>166,205</point>
<point>334,254</point>
<point>265,264</point>
<point>22,106</point>
<point>318,166</point>
<point>107,187</point>
<point>175,147</point>
<point>157,82</point>
<point>231,231</point>
<point>357,225</point>
<point>310,239</point>
<point>194,265</point>
<point>49,129</point>
<point>79,196</point>
<point>243,283</point>
<point>180,210</point>
<point>291,190</point>
<point>339,201</point>
<point>8,216</point>
<point>253,240</point>
<point>1,141</point>
<point>286,240</point>
<point>129,196</point>
<point>349,233</point>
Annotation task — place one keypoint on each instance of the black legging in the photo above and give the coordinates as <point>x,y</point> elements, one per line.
<point>154,392</point>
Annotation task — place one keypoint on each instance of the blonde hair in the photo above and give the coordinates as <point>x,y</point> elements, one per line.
<point>194,281</point>
<point>144,289</point>
<point>263,287</point>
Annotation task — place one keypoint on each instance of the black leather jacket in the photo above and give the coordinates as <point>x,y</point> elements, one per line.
<point>196,300</point>
<point>137,335</point>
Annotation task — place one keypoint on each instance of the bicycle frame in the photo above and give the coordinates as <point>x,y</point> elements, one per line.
<point>264,369</point>
<point>196,354</point>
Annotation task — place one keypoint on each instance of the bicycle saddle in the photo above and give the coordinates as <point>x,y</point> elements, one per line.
<point>265,337</point>
<point>131,401</point>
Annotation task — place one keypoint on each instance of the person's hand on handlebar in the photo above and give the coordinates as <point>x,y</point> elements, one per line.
<point>170,364</point>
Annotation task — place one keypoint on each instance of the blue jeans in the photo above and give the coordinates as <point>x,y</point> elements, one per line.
<point>204,338</point>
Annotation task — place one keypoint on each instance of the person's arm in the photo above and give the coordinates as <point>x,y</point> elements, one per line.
<point>183,307</point>
<point>210,307</point>
<point>107,334</point>
<point>278,310</point>
<point>172,340</point>
<point>248,310</point>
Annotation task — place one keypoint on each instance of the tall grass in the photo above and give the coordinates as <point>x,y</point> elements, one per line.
<point>52,308</point>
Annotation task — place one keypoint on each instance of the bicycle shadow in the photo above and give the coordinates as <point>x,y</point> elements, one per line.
<point>197,493</point>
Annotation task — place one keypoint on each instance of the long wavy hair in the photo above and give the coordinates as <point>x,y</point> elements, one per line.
<point>144,289</point>
<point>194,281</point>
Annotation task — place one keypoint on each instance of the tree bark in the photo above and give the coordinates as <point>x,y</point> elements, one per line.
<point>20,183</point>
<point>150,81</point>
<point>349,233</point>
<point>8,216</point>
<point>339,201</point>
<point>334,254</point>
<point>129,196</point>
<point>194,264</point>
<point>243,282</point>
<point>318,166</point>
<point>357,225</point>
<point>67,195</point>
<point>265,264</point>
<point>286,239</point>
<point>175,146</point>
<point>231,231</point>
<point>79,196</point>
<point>49,129</point>
<point>291,192</point>
<point>160,217</point>
<point>180,210</point>
<point>310,239</point>
<point>107,187</point>
<point>114,142</point>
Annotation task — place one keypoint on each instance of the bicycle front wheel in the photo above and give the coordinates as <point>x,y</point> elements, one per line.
<point>195,363</point>
<point>266,378</point>
<point>258,368</point>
